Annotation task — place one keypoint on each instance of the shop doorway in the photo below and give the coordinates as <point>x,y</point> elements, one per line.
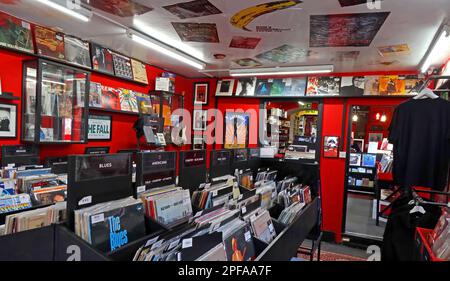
<point>367,145</point>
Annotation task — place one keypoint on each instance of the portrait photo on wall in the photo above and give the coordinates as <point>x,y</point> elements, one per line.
<point>331,146</point>
<point>201,91</point>
<point>199,120</point>
<point>352,86</point>
<point>8,120</point>
<point>236,130</point>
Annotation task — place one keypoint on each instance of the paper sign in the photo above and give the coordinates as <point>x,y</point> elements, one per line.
<point>151,241</point>
<point>187,243</point>
<point>85,200</point>
<point>98,218</point>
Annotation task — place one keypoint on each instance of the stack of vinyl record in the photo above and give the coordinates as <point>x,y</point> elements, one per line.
<point>262,226</point>
<point>213,194</point>
<point>169,206</point>
<point>268,192</point>
<point>440,236</point>
<point>111,225</point>
<point>37,218</point>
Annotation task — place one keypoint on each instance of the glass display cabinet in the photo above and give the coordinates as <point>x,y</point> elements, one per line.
<point>55,103</point>
<point>164,104</point>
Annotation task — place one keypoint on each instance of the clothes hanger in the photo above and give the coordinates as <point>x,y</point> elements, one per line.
<point>426,93</point>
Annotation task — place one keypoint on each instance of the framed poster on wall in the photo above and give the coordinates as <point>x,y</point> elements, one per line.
<point>8,120</point>
<point>201,91</point>
<point>99,127</point>
<point>236,130</point>
<point>331,146</point>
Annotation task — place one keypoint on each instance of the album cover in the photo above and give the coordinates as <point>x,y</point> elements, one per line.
<point>77,51</point>
<point>110,98</point>
<point>95,95</point>
<point>294,86</point>
<point>15,33</point>
<point>413,83</point>
<point>144,103</point>
<point>393,50</point>
<point>246,86</point>
<point>242,42</point>
<point>225,87</point>
<point>236,130</point>
<point>355,159</point>
<point>369,160</point>
<point>128,100</point>
<point>352,86</point>
<point>197,32</point>
<point>49,106</point>
<point>331,146</point>
<point>49,43</point>
<point>119,227</point>
<point>139,71</point>
<point>102,59</point>
<point>122,66</point>
<point>239,245</point>
<point>277,88</point>
<point>392,85</point>
<point>263,87</point>
<point>285,54</point>
<point>121,8</point>
<point>372,85</point>
<point>247,62</point>
<point>50,195</point>
<point>345,30</point>
<point>65,104</point>
<point>193,9</point>
<point>323,86</point>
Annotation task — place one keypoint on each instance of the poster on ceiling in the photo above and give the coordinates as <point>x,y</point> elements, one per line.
<point>196,32</point>
<point>348,3</point>
<point>345,30</point>
<point>242,42</point>
<point>244,17</point>
<point>193,9</point>
<point>236,130</point>
<point>247,62</point>
<point>15,33</point>
<point>284,54</point>
<point>121,8</point>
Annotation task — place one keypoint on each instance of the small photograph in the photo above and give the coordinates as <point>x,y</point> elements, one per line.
<point>193,9</point>
<point>246,86</point>
<point>331,146</point>
<point>352,86</point>
<point>369,160</point>
<point>8,120</point>
<point>355,159</point>
<point>201,91</point>
<point>327,86</point>
<point>225,87</point>
<point>199,120</point>
<point>244,42</point>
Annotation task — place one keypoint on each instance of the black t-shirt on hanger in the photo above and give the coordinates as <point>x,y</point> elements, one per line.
<point>420,133</point>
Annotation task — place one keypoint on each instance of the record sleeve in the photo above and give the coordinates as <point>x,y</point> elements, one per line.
<point>118,227</point>
<point>95,95</point>
<point>77,51</point>
<point>49,43</point>
<point>102,59</point>
<point>110,98</point>
<point>127,100</point>
<point>239,245</point>
<point>15,33</point>
<point>122,66</point>
<point>139,71</point>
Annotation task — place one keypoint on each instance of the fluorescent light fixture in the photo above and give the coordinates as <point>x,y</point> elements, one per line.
<point>355,118</point>
<point>301,103</point>
<point>439,46</point>
<point>64,10</point>
<point>162,37</point>
<point>155,45</point>
<point>292,70</point>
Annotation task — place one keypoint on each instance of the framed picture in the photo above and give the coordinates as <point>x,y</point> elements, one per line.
<point>358,145</point>
<point>355,159</point>
<point>8,120</point>
<point>199,120</point>
<point>225,87</point>
<point>201,91</point>
<point>375,137</point>
<point>369,160</point>
<point>198,142</point>
<point>331,146</point>
<point>99,127</point>
<point>236,130</point>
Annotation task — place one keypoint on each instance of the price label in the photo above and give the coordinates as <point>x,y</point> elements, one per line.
<point>214,193</point>
<point>244,210</point>
<point>187,243</point>
<point>97,218</point>
<point>248,236</point>
<point>173,244</point>
<point>151,241</point>
<point>140,189</point>
<point>85,200</point>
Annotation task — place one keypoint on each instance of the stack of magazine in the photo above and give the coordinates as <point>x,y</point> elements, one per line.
<point>169,206</point>
<point>439,238</point>
<point>37,218</point>
<point>111,225</point>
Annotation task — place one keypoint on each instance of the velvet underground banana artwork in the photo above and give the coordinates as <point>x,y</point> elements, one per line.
<point>246,16</point>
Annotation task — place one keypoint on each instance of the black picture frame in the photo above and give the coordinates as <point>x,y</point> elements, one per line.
<point>326,152</point>
<point>196,100</point>
<point>110,127</point>
<point>13,133</point>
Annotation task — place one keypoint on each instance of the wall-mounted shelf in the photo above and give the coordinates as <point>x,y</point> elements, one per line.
<point>316,97</point>
<point>8,96</point>
<point>113,111</point>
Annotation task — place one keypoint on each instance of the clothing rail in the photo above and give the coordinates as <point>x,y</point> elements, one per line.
<point>434,78</point>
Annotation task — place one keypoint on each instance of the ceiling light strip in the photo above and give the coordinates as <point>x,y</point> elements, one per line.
<point>298,70</point>
<point>64,10</point>
<point>439,44</point>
